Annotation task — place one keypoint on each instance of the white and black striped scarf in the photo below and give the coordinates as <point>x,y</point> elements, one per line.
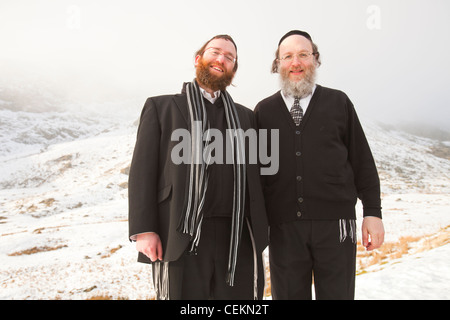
<point>191,221</point>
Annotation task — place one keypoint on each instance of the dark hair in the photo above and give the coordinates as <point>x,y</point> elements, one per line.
<point>220,36</point>
<point>316,55</point>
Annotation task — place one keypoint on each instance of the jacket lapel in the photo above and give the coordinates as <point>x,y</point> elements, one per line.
<point>181,102</point>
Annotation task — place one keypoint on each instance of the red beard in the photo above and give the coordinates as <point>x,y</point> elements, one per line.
<point>212,81</point>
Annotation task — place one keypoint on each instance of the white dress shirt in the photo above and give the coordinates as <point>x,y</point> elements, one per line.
<point>208,96</point>
<point>304,102</point>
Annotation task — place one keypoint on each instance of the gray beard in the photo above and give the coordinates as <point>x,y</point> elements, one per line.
<point>301,88</point>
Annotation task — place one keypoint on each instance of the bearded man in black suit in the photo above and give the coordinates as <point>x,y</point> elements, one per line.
<point>202,224</point>
<point>325,165</point>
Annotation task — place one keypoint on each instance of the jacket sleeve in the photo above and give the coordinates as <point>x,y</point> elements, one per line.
<point>143,177</point>
<point>366,177</point>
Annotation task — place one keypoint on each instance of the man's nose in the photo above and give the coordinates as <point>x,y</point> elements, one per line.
<point>220,58</point>
<point>296,60</point>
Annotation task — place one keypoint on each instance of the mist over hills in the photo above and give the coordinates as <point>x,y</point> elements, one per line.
<point>31,120</point>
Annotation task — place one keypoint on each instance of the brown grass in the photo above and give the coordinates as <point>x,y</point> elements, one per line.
<point>105,297</point>
<point>35,250</point>
<point>388,252</point>
<point>111,251</point>
<point>395,250</point>
<point>48,202</point>
<point>267,287</point>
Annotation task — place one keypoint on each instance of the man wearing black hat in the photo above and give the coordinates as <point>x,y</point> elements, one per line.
<point>202,224</point>
<point>325,165</point>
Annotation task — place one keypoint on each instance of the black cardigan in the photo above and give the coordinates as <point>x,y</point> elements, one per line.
<point>324,164</point>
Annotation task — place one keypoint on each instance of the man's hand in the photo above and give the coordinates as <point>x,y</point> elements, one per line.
<point>372,233</point>
<point>150,245</point>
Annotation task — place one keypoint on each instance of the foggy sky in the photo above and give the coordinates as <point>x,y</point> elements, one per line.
<point>390,57</point>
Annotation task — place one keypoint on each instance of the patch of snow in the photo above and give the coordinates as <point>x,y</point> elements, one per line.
<point>63,179</point>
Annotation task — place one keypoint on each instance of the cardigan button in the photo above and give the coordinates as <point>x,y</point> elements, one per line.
<point>297,132</point>
<point>298,153</point>
<point>299,214</point>
<point>300,200</point>
<point>299,178</point>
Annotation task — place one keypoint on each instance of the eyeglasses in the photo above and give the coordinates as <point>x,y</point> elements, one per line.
<point>215,52</point>
<point>302,56</point>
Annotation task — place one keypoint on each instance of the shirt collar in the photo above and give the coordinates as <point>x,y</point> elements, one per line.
<point>208,96</point>
<point>304,102</point>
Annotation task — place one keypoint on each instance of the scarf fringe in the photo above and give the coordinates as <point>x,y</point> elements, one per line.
<point>347,228</point>
<point>255,262</point>
<point>161,280</point>
<point>161,272</point>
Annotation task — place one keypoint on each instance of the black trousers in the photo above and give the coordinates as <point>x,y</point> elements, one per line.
<point>203,276</point>
<point>307,249</point>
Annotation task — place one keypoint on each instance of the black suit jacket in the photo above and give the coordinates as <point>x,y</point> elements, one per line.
<point>157,187</point>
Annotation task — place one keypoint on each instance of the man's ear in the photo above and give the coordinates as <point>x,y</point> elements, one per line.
<point>196,60</point>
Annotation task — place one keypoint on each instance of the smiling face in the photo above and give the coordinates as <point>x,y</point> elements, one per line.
<point>296,68</point>
<point>215,68</point>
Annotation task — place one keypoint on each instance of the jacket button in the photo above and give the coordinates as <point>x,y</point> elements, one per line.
<point>297,132</point>
<point>299,178</point>
<point>300,200</point>
<point>299,214</point>
<point>298,153</point>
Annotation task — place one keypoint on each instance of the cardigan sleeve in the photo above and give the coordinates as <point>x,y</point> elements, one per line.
<point>366,177</point>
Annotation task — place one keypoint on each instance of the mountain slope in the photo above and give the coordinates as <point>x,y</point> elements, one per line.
<point>63,200</point>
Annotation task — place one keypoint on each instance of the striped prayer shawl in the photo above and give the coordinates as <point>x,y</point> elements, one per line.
<point>192,217</point>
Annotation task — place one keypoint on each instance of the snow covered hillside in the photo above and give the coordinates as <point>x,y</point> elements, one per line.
<point>63,210</point>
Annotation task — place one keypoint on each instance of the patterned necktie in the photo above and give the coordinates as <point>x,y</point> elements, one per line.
<point>297,111</point>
